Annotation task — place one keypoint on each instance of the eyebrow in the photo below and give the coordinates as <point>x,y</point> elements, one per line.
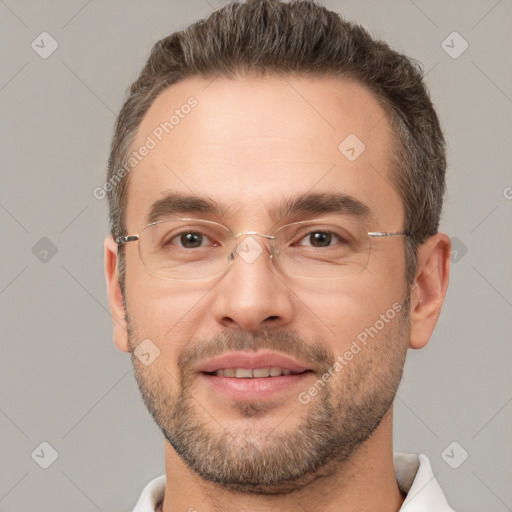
<point>321,203</point>
<point>178,203</point>
<point>302,205</point>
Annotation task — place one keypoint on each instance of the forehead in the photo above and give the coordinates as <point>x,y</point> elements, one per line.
<point>251,142</point>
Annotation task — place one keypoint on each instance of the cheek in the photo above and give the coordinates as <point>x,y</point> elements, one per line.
<point>160,310</point>
<point>342,310</point>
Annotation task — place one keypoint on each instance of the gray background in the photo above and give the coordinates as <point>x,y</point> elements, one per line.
<point>63,381</point>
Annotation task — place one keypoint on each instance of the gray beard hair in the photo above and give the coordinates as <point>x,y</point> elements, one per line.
<point>335,423</point>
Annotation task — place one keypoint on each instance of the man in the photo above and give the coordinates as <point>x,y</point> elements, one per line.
<point>275,183</point>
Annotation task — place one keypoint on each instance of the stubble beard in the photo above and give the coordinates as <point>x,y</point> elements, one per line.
<point>331,427</point>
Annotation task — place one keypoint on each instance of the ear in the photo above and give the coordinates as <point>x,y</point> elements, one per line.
<point>429,288</point>
<point>115,296</point>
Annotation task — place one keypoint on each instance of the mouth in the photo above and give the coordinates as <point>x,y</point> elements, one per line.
<point>250,376</point>
<point>254,373</point>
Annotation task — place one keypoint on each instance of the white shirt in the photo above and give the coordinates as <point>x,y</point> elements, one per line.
<point>413,474</point>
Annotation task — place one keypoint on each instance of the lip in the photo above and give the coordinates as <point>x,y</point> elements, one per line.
<point>251,360</point>
<point>254,389</point>
<point>251,390</point>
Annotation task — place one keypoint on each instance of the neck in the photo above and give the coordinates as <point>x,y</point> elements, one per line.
<point>365,482</point>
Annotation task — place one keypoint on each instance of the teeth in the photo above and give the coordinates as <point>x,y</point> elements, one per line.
<point>249,373</point>
<point>275,372</point>
<point>261,372</point>
<point>243,373</point>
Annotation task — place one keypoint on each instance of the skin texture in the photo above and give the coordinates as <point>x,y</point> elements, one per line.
<point>249,143</point>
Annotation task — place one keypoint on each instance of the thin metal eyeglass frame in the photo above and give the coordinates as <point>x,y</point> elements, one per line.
<point>123,239</point>
<point>120,240</point>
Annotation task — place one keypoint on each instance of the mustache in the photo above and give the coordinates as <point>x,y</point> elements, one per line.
<point>284,342</point>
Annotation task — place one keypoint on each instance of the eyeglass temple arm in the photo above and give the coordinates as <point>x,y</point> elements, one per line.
<point>120,240</point>
<point>378,234</point>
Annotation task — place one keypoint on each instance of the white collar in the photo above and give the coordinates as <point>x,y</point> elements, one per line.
<point>413,474</point>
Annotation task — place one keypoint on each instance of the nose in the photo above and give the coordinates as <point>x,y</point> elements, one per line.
<point>253,293</point>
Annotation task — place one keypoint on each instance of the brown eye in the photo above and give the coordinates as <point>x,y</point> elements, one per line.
<point>189,240</point>
<point>320,239</point>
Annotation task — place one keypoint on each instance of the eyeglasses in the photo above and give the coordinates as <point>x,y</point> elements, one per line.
<point>188,249</point>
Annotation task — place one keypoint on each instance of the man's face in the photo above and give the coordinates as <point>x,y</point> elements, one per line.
<point>247,146</point>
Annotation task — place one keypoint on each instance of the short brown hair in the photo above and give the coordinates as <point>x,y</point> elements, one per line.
<point>266,37</point>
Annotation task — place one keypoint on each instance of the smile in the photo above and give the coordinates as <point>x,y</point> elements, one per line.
<point>254,373</point>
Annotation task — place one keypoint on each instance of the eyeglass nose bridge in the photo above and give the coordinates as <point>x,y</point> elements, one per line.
<point>231,255</point>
